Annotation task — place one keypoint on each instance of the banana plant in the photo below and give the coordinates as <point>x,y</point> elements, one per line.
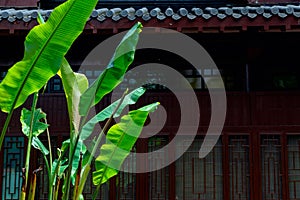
<point>45,48</point>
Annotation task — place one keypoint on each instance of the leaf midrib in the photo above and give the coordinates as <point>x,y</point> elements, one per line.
<point>123,135</point>
<point>39,55</point>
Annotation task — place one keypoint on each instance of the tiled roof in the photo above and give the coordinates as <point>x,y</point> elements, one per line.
<point>146,14</point>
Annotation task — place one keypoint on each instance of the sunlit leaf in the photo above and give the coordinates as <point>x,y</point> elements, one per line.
<point>119,141</point>
<point>38,126</point>
<point>129,99</point>
<point>114,72</point>
<point>45,47</point>
<point>74,85</point>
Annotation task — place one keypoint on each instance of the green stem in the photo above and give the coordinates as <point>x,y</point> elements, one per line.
<point>5,127</point>
<point>30,136</point>
<point>96,146</point>
<point>77,181</point>
<point>49,145</point>
<point>49,178</point>
<point>71,156</point>
<point>95,194</point>
<point>55,175</point>
<point>56,188</point>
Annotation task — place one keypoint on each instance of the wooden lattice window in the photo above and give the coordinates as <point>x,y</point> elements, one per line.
<point>13,162</point>
<point>271,167</point>
<point>200,178</point>
<point>293,148</point>
<point>239,171</point>
<point>125,181</point>
<point>158,179</point>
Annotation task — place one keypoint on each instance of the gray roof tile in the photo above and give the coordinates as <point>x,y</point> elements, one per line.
<point>296,14</point>
<point>252,15</point>
<point>140,12</point>
<point>161,16</point>
<point>101,18</point>
<point>225,10</point>
<point>131,17</point>
<point>267,15</point>
<point>154,12</point>
<point>221,16</point>
<point>125,12</point>
<point>274,10</point>
<point>169,12</point>
<point>240,10</point>
<point>113,12</point>
<point>158,13</point>
<point>212,11</point>
<point>146,17</point>
<point>197,11</point>
<point>183,11</point>
<point>176,17</point>
<point>236,15</point>
<point>206,16</point>
<point>282,15</point>
<point>191,16</point>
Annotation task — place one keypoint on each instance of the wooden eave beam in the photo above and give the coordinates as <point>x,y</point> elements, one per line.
<point>198,25</point>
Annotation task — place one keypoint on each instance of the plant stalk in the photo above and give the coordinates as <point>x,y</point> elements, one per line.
<point>104,130</point>
<point>49,145</point>
<point>76,193</point>
<point>33,184</point>
<point>30,136</point>
<point>56,188</point>
<point>5,127</point>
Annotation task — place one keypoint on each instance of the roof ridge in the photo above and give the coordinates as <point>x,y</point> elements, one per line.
<point>144,13</point>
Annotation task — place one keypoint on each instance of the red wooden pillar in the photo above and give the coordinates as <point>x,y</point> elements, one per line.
<point>112,188</point>
<point>255,163</point>
<point>225,159</point>
<point>142,179</point>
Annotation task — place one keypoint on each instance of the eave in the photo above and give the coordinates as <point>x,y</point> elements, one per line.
<point>196,20</point>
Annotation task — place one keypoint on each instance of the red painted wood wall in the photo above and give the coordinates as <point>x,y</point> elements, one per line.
<point>18,3</point>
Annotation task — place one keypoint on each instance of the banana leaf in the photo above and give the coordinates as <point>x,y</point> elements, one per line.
<point>114,72</point>
<point>80,148</point>
<point>45,46</point>
<point>38,127</point>
<point>119,141</point>
<point>129,99</point>
<point>74,85</point>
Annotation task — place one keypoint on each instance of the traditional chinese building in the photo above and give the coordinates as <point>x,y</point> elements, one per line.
<point>254,45</point>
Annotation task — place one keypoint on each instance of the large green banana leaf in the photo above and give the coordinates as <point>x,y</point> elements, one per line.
<point>114,72</point>
<point>45,46</point>
<point>119,141</point>
<point>74,85</point>
<point>38,127</point>
<point>129,99</point>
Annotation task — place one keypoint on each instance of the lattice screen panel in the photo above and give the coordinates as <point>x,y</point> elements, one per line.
<point>126,182</point>
<point>293,148</point>
<point>158,179</point>
<point>239,171</point>
<point>200,178</point>
<point>271,167</point>
<point>13,161</point>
